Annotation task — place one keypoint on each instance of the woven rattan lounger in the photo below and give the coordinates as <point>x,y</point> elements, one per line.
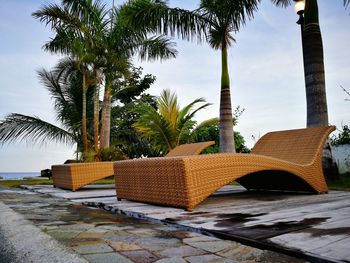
<point>77,175</point>
<point>286,160</point>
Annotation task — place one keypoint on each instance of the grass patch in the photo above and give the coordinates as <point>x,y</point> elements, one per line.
<point>343,183</point>
<point>17,183</point>
<point>105,181</point>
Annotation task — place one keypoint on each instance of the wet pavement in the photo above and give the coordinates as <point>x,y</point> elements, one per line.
<point>101,236</point>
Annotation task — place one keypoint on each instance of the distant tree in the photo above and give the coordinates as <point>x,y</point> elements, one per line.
<point>209,131</point>
<point>125,136</point>
<point>167,125</point>
<point>92,34</point>
<point>343,137</point>
<point>214,22</point>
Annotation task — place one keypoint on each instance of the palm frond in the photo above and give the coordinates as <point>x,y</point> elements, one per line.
<point>155,16</point>
<point>282,3</point>
<point>346,3</point>
<point>157,47</point>
<point>154,127</point>
<point>17,127</point>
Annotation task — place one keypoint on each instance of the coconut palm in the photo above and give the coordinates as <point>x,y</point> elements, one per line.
<point>119,46</point>
<point>104,46</point>
<point>64,86</point>
<point>214,21</point>
<point>168,125</point>
<point>73,29</point>
<point>317,113</point>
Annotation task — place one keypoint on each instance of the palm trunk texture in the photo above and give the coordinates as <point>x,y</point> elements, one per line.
<point>317,113</point>
<point>226,124</point>
<point>315,85</point>
<point>84,121</point>
<point>106,118</point>
<point>96,116</point>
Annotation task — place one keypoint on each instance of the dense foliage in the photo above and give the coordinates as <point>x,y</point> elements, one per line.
<point>342,138</point>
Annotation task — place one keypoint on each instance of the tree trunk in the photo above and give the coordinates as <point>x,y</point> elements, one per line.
<point>84,121</point>
<point>106,118</point>
<point>96,115</point>
<point>316,101</point>
<point>226,124</point>
<point>315,85</point>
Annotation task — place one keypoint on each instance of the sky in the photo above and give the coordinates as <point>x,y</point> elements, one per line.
<point>265,67</point>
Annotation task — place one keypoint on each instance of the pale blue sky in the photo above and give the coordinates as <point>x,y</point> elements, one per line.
<point>265,69</point>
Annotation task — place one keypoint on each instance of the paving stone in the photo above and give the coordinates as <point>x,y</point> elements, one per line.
<point>90,235</point>
<point>123,246</point>
<point>211,246</point>
<point>122,238</point>
<point>157,243</point>
<point>115,227</point>
<point>240,252</point>
<point>93,248</point>
<point>76,227</point>
<point>53,223</point>
<point>48,228</point>
<point>200,238</point>
<point>209,259</point>
<point>143,232</point>
<point>171,260</point>
<point>182,251</point>
<point>62,235</point>
<point>179,234</point>
<point>140,256</point>
<point>107,258</point>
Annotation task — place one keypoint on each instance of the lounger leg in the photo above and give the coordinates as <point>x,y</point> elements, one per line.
<point>119,199</point>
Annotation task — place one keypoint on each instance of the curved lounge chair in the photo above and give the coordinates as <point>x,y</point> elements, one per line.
<point>286,160</point>
<point>76,175</point>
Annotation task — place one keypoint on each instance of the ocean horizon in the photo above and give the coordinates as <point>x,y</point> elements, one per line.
<point>17,175</point>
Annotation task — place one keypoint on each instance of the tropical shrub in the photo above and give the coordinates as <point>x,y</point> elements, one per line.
<point>342,138</point>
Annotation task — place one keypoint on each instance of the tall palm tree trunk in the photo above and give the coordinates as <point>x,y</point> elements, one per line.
<point>315,85</point>
<point>316,101</point>
<point>84,118</point>
<point>106,118</point>
<point>96,116</point>
<point>226,124</point>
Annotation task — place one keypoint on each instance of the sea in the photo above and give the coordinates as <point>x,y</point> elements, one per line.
<point>17,175</point>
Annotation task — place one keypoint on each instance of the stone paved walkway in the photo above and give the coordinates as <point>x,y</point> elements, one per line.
<point>101,236</point>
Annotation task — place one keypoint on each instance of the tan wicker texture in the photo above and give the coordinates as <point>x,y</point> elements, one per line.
<point>76,175</point>
<point>286,160</point>
<point>189,149</point>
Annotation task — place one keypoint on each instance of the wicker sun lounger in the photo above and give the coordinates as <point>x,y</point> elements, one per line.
<point>286,160</point>
<point>76,175</point>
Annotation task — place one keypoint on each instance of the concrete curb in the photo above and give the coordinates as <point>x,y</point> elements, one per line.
<point>28,243</point>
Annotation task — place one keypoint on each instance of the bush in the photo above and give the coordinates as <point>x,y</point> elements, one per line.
<point>104,155</point>
<point>342,138</point>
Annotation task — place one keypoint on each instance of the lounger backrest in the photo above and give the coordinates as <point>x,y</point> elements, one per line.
<point>189,149</point>
<point>298,146</point>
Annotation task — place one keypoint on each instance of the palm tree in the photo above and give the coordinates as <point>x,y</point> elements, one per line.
<point>168,125</point>
<point>65,87</point>
<point>103,46</point>
<point>214,21</point>
<point>119,45</point>
<point>74,28</point>
<point>317,113</point>
<point>315,86</point>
